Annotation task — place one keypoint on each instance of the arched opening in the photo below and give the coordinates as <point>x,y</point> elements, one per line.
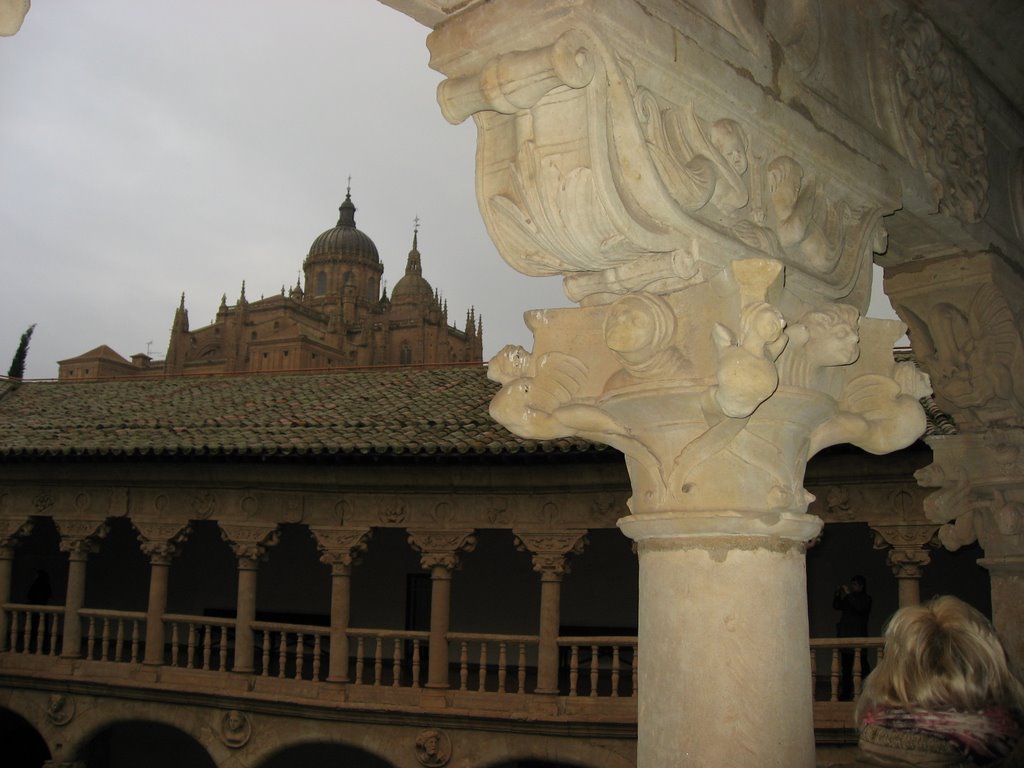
<point>322,753</point>
<point>133,743</point>
<point>117,577</point>
<point>23,747</point>
<point>536,764</point>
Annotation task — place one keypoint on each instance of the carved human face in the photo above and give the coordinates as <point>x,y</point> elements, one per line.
<point>629,327</point>
<point>727,139</point>
<point>833,340</point>
<point>234,721</point>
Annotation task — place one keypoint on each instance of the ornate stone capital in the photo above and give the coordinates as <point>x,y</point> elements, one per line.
<point>965,316</point>
<point>907,555</point>
<point>341,546</point>
<point>441,547</point>
<point>980,477</point>
<point>249,542</point>
<point>160,540</point>
<point>80,537</point>
<point>550,549</point>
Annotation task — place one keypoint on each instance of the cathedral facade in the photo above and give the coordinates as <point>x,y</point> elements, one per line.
<point>341,318</point>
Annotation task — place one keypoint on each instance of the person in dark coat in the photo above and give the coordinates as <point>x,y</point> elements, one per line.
<point>855,605</point>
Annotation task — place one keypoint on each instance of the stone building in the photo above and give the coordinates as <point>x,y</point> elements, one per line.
<point>334,568</point>
<point>343,317</point>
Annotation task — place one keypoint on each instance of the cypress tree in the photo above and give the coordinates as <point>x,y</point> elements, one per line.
<point>17,369</point>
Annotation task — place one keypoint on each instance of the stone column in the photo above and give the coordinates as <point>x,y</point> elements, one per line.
<point>158,541</point>
<point>79,538</point>
<point>907,555</point>
<point>719,246</point>
<point>964,314</point>
<point>440,555</point>
<point>11,530</point>
<point>249,543</point>
<point>550,550</point>
<point>340,548</point>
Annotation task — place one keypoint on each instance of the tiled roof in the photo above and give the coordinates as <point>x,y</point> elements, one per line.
<point>378,412</point>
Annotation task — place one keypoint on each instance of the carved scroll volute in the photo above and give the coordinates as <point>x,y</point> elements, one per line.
<point>341,546</point>
<point>442,547</point>
<point>250,542</point>
<point>551,549</point>
<point>159,540</point>
<point>907,544</point>
<point>80,537</point>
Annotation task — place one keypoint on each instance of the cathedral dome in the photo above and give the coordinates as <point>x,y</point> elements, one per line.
<point>413,287</point>
<point>344,239</point>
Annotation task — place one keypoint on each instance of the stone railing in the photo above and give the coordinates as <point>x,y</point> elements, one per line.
<point>33,629</point>
<point>600,666</point>
<point>199,642</point>
<point>113,635</point>
<point>495,663</point>
<point>387,658</point>
<point>826,664</point>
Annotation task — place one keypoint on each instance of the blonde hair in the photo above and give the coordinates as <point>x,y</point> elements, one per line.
<point>941,655</point>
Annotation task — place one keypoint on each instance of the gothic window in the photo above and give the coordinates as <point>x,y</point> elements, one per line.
<point>405,354</point>
<point>321,283</point>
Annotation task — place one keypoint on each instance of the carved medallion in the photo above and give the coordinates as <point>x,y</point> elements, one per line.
<point>433,748</point>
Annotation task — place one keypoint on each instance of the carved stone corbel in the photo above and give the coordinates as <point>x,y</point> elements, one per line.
<point>550,549</point>
<point>80,538</point>
<point>907,555</point>
<point>341,546</point>
<point>250,542</point>
<point>160,541</point>
<point>441,547</point>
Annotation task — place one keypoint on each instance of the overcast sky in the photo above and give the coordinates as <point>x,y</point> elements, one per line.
<point>152,148</point>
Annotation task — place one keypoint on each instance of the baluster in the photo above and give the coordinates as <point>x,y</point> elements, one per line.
<point>282,654</point>
<point>14,631</point>
<point>207,645</point>
<point>135,641</point>
<point>300,654</point>
<point>90,637</point>
<point>54,633</point>
<point>522,669</point>
<point>463,665</point>
<point>175,648</point>
<point>105,641</point>
<point>615,671</point>
<point>396,662</point>
<point>359,661</point>
<point>482,672</point>
<point>265,659</point>
<point>574,669</point>
<point>222,661</point>
<point>26,639</point>
<point>378,661</point>
<point>191,646</point>
<point>834,676</point>
<point>856,673</point>
<point>416,663</point>
<point>119,643</point>
<point>40,634</point>
<point>502,665</point>
<point>636,667</point>
<point>316,656</point>
<point>594,669</point>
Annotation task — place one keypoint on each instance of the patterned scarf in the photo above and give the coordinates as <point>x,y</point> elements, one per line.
<point>982,737</point>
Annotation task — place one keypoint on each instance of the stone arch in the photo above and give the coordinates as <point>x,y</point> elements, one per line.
<point>117,576</point>
<point>204,573</point>
<point>523,751</point>
<point>323,753</point>
<point>125,743</point>
<point>22,743</point>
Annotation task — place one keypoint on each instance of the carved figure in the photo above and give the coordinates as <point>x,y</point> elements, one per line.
<point>746,371</point>
<point>235,729</point>
<point>60,708</point>
<point>433,748</point>
<point>823,338</point>
<point>639,330</point>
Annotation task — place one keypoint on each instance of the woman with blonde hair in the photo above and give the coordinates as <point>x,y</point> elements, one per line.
<point>943,694</point>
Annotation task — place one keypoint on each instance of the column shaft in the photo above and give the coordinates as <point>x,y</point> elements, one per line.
<point>909,590</point>
<point>72,639</point>
<point>547,650</point>
<point>724,640</point>
<point>341,582</point>
<point>245,614</point>
<point>440,612</point>
<point>159,569</point>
